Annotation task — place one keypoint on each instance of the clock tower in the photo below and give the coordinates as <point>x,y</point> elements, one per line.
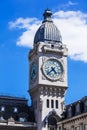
<point>48,74</point>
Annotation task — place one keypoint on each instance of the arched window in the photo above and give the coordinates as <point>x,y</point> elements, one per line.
<point>52,123</point>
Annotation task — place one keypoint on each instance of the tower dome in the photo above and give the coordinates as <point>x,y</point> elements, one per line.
<point>48,32</point>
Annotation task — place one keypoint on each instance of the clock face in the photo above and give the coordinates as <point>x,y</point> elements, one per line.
<point>33,72</point>
<point>52,69</point>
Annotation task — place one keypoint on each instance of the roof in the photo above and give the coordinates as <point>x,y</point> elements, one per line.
<point>76,108</point>
<point>17,108</point>
<point>5,99</point>
<point>47,32</point>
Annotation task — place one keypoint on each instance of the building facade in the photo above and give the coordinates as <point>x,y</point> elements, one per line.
<point>75,116</point>
<point>48,84</point>
<point>15,114</point>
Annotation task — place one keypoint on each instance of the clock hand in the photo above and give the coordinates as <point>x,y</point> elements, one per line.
<point>50,71</point>
<point>34,72</point>
<point>53,69</point>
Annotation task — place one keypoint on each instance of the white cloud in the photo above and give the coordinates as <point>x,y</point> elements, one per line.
<point>70,3</point>
<point>24,23</point>
<point>30,25</point>
<point>26,39</point>
<point>73,27</point>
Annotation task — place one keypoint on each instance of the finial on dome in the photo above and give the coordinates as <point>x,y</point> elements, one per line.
<point>47,15</point>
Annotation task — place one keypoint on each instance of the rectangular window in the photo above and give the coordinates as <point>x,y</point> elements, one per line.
<point>77,108</point>
<point>15,109</point>
<point>2,108</point>
<point>22,119</point>
<point>86,106</point>
<point>56,103</point>
<point>69,112</point>
<point>59,128</point>
<point>1,118</point>
<point>52,128</point>
<point>52,104</point>
<point>85,127</point>
<point>72,128</point>
<point>47,103</point>
<point>77,128</point>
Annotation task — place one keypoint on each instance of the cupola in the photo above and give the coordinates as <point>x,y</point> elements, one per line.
<point>48,32</point>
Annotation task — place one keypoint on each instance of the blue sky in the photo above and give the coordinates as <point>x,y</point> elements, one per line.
<point>19,20</point>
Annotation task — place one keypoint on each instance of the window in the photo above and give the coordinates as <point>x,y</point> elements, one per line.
<point>47,103</point>
<point>70,112</point>
<point>77,128</point>
<point>22,119</point>
<point>85,127</point>
<point>52,103</point>
<point>15,109</point>
<point>56,103</point>
<point>52,123</point>
<point>2,108</point>
<point>64,128</point>
<point>1,118</point>
<point>86,105</point>
<point>72,128</point>
<point>59,128</point>
<point>77,108</point>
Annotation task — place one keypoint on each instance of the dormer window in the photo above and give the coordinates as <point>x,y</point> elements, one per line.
<point>77,108</point>
<point>1,118</point>
<point>69,111</point>
<point>22,119</point>
<point>15,110</point>
<point>85,105</point>
<point>2,108</point>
